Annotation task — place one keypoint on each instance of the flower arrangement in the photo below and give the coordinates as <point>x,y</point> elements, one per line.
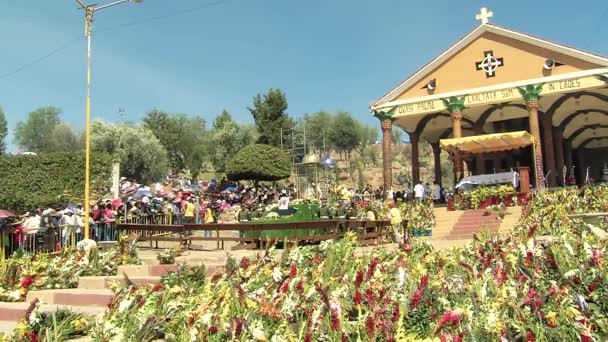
<point>167,256</point>
<point>483,196</point>
<point>61,325</point>
<point>492,289</point>
<point>420,216</point>
<point>23,273</point>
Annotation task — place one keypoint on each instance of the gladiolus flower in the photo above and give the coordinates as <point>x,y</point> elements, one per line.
<point>396,313</point>
<point>358,279</point>
<point>357,298</point>
<point>285,286</point>
<point>369,295</point>
<point>372,267</point>
<point>424,282</point>
<point>416,299</point>
<point>26,282</point>
<point>32,336</point>
<point>245,263</point>
<point>370,325</point>
<point>300,287</point>
<point>530,337</point>
<point>294,271</point>
<point>157,287</point>
<point>307,337</point>
<point>212,329</point>
<point>585,337</point>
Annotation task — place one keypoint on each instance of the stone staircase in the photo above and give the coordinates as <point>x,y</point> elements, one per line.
<point>93,294</point>
<point>459,226</point>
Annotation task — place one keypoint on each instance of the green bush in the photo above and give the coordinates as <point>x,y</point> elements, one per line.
<point>259,162</point>
<point>50,180</point>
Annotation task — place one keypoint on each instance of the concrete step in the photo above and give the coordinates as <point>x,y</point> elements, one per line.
<point>13,311</point>
<point>7,327</point>
<point>106,282</point>
<point>134,271</point>
<point>75,297</point>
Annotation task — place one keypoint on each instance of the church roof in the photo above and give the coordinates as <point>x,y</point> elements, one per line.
<point>472,36</point>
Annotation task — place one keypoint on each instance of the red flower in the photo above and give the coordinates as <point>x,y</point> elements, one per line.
<point>369,295</point>
<point>299,287</point>
<point>424,282</point>
<point>416,299</point>
<point>407,248</point>
<point>357,298</point>
<point>307,338</point>
<point>157,287</point>
<point>285,286</point>
<point>212,329</point>
<point>529,258</point>
<point>294,271</point>
<point>530,337</point>
<point>32,336</point>
<point>452,317</point>
<point>532,230</point>
<point>370,325</point>
<point>372,267</point>
<point>26,282</point>
<point>358,279</point>
<point>396,313</point>
<point>458,338</point>
<point>245,263</point>
<point>597,257</point>
<point>585,337</point>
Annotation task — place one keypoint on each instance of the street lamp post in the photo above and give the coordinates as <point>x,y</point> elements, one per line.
<point>89,11</point>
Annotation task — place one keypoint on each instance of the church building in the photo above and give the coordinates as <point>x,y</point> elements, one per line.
<point>498,100</point>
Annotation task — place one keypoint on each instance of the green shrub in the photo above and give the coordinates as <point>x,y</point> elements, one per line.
<point>50,180</point>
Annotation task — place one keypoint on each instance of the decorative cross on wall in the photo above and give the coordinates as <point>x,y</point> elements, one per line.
<point>489,63</point>
<point>484,16</point>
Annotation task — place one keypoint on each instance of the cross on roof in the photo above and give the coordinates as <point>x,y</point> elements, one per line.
<point>484,16</point>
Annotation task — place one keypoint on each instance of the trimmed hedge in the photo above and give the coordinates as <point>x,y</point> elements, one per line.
<point>259,162</point>
<point>50,180</point>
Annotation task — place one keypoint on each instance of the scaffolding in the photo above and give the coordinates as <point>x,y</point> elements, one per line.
<point>307,166</point>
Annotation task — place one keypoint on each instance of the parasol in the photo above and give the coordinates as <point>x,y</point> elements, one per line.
<point>6,214</point>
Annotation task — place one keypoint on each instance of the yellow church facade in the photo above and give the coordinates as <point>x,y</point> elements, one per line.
<point>495,81</point>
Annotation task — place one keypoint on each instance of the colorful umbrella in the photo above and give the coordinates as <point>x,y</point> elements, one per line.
<point>5,213</point>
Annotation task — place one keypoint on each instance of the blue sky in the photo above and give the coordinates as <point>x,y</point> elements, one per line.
<point>202,56</point>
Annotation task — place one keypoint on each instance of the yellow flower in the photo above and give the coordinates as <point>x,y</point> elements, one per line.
<point>551,317</point>
<point>572,312</point>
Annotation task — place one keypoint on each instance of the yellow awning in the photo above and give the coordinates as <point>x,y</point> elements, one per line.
<point>488,143</point>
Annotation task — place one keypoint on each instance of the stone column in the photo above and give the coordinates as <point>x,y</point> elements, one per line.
<point>568,156</point>
<point>456,116</point>
<point>414,138</point>
<point>437,159</point>
<point>547,125</point>
<point>387,158</point>
<point>581,164</point>
<point>558,138</point>
<point>538,153</point>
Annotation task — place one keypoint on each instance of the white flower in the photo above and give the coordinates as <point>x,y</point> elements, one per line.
<point>14,295</point>
<point>569,248</point>
<point>257,331</point>
<point>276,275</point>
<point>310,293</point>
<point>124,305</point>
<point>325,244</point>
<point>402,274</point>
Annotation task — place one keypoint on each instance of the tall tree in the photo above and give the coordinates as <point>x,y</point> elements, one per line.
<point>140,153</point>
<point>63,139</point>
<point>316,130</point>
<point>3,132</point>
<point>182,136</point>
<point>227,138</point>
<point>34,134</point>
<point>344,133</point>
<point>269,113</point>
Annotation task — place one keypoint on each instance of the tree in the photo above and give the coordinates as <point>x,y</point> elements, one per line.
<point>316,130</point>
<point>259,162</point>
<point>226,138</point>
<point>270,117</point>
<point>34,134</point>
<point>63,139</point>
<point>182,136</point>
<point>3,132</point>
<point>140,153</point>
<point>344,134</point>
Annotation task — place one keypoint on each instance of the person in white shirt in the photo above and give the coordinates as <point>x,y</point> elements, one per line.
<point>436,192</point>
<point>419,191</point>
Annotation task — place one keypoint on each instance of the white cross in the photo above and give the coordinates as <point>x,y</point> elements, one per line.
<point>484,16</point>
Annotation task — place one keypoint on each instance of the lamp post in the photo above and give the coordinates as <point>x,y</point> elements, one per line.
<point>89,11</point>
